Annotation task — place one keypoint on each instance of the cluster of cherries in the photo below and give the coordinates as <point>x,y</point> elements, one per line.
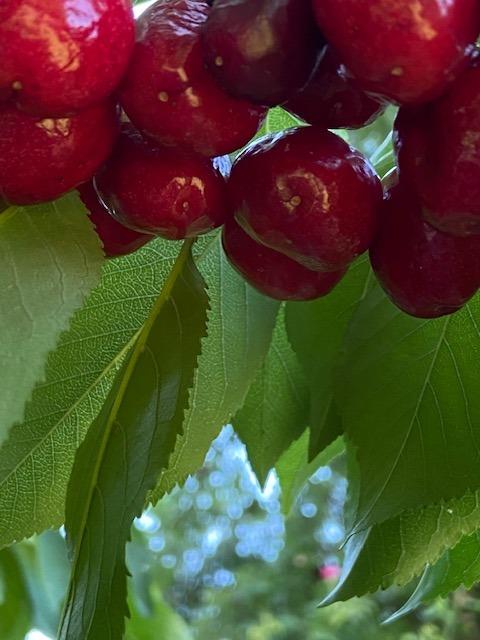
<point>140,118</point>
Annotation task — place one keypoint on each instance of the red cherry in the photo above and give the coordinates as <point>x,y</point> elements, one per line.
<point>117,240</point>
<point>425,272</point>
<point>273,273</point>
<point>60,56</point>
<point>170,192</point>
<point>169,94</point>
<point>408,50</point>
<point>438,150</point>
<point>307,194</point>
<point>43,158</point>
<point>332,100</point>
<point>264,50</point>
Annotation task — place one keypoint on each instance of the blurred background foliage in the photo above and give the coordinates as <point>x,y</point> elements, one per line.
<point>217,560</point>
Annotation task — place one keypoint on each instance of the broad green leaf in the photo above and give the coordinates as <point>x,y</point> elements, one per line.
<point>36,459</point>
<point>275,411</point>
<point>241,323</point>
<point>457,567</point>
<point>398,550</point>
<point>15,604</point>
<point>50,259</point>
<point>124,451</point>
<point>294,469</point>
<point>408,392</point>
<point>316,331</point>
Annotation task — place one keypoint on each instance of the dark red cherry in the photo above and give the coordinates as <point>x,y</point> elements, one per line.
<point>169,192</point>
<point>43,158</point>
<point>332,100</point>
<point>308,194</point>
<point>117,240</point>
<point>273,273</point>
<point>60,56</point>
<point>262,50</point>
<point>405,50</point>
<point>425,272</point>
<point>169,94</point>
<point>438,150</point>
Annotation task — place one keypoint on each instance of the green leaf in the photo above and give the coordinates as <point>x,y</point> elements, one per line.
<point>124,451</point>
<point>50,259</point>
<point>316,331</point>
<point>278,119</point>
<point>408,390</point>
<point>294,469</point>
<point>44,564</point>
<point>275,411</point>
<point>15,605</point>
<point>398,550</point>
<point>36,459</point>
<point>457,567</point>
<point>241,323</point>
<point>162,622</point>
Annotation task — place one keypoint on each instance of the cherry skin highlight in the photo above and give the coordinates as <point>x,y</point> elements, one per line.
<point>264,50</point>
<point>332,100</point>
<point>116,239</point>
<point>425,272</point>
<point>438,149</point>
<point>43,158</point>
<point>308,194</point>
<point>168,192</point>
<point>272,273</point>
<point>406,51</point>
<point>169,94</point>
<point>60,56</point>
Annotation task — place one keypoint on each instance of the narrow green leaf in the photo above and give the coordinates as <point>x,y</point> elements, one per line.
<point>124,451</point>
<point>316,331</point>
<point>294,469</point>
<point>50,259</point>
<point>408,391</point>
<point>457,567</point>
<point>241,323</point>
<point>276,408</point>
<point>398,550</point>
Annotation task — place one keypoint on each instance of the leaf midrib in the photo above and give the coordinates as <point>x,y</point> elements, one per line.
<point>361,525</point>
<point>113,413</point>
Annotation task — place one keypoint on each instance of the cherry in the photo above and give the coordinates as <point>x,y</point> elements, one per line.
<point>406,51</point>
<point>169,94</point>
<point>43,158</point>
<point>117,240</point>
<point>60,56</point>
<point>332,100</point>
<point>308,194</point>
<point>438,148</point>
<point>264,50</point>
<point>170,192</point>
<point>273,273</point>
<point>426,273</point>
